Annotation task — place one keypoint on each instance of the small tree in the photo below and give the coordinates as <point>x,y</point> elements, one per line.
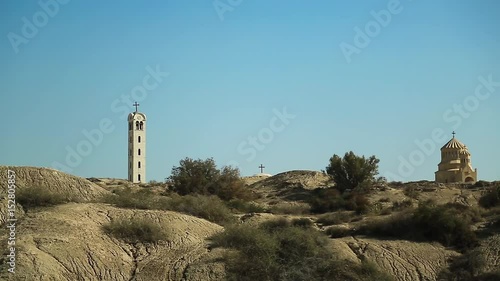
<point>194,176</point>
<point>351,171</point>
<point>203,177</point>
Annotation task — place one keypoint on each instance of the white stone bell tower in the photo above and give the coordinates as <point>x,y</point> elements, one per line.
<point>137,146</point>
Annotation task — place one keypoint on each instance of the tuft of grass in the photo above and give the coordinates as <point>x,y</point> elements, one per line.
<point>40,197</point>
<point>135,230</point>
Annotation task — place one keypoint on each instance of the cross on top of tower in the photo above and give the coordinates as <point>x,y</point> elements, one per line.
<point>136,105</point>
<point>261,167</point>
<point>453,134</point>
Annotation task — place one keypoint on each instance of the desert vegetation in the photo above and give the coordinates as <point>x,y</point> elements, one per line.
<point>286,250</point>
<point>30,197</point>
<point>203,177</point>
<point>449,224</point>
<point>210,208</point>
<point>491,198</point>
<point>352,171</point>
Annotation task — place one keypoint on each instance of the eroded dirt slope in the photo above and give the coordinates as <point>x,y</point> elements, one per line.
<point>76,188</point>
<point>79,188</point>
<point>67,242</point>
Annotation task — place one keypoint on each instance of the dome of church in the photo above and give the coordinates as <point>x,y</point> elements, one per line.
<point>455,144</point>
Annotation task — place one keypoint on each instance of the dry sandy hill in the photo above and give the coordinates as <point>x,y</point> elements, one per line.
<point>67,242</point>
<point>77,188</point>
<point>295,179</point>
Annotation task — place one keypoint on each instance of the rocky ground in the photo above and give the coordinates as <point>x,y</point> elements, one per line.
<point>67,242</point>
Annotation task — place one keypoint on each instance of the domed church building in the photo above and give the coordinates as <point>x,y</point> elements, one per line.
<point>455,163</point>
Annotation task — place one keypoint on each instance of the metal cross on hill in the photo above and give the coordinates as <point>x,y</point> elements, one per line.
<point>136,105</point>
<point>261,167</point>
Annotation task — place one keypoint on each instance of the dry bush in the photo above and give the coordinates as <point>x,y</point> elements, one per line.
<point>449,224</point>
<point>338,218</point>
<point>245,206</point>
<point>30,197</point>
<point>330,199</point>
<point>338,232</point>
<point>210,208</point>
<point>491,198</point>
<point>402,205</point>
<point>411,192</point>
<point>135,230</point>
<point>277,250</point>
<point>290,208</point>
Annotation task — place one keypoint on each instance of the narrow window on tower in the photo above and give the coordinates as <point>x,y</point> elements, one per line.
<point>137,125</point>
<point>139,177</point>
<point>139,164</point>
<point>141,125</point>
<point>139,151</point>
<point>139,138</point>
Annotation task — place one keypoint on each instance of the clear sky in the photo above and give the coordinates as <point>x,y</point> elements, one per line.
<point>283,83</point>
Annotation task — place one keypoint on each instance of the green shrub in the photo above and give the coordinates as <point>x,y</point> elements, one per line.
<point>203,177</point>
<point>357,202</point>
<point>279,251</point>
<point>351,171</point>
<point>491,198</point>
<point>40,197</point>
<point>135,230</point>
<point>326,200</point>
<point>448,224</point>
<point>330,199</point>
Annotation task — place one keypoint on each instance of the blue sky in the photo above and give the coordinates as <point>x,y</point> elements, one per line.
<point>231,68</point>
